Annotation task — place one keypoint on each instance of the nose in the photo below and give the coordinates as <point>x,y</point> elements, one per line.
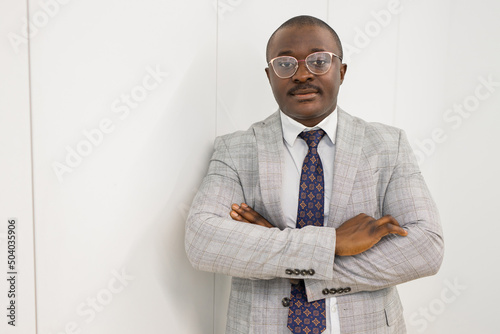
<point>302,74</point>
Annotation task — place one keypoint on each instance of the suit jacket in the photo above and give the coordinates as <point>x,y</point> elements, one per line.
<point>375,172</point>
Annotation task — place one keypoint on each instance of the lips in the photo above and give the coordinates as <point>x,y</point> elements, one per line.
<point>304,92</point>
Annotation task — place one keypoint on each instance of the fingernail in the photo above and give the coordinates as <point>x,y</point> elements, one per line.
<point>234,214</point>
<point>244,205</point>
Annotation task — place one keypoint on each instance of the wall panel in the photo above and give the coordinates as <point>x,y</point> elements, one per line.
<point>369,33</point>
<point>17,290</point>
<point>123,109</point>
<point>448,99</point>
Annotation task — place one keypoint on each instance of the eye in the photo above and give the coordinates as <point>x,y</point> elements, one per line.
<point>285,64</point>
<point>319,62</point>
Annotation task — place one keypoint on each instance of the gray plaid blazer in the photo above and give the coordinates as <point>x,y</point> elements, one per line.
<point>375,172</point>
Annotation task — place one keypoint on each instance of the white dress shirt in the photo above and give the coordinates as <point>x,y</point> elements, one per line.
<point>295,152</point>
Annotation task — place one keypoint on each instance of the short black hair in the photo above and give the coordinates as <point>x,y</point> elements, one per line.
<point>306,21</point>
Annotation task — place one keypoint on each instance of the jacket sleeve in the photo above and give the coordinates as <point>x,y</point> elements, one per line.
<point>394,259</point>
<point>216,243</point>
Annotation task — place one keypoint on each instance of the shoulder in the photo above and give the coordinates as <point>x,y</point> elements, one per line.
<point>382,135</point>
<point>375,130</point>
<point>374,133</point>
<point>239,139</point>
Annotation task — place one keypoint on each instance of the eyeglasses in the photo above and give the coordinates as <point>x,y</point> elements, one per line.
<point>317,63</point>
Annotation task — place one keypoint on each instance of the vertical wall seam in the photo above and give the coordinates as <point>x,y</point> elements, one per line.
<point>216,66</point>
<point>214,313</point>
<point>396,71</point>
<point>32,160</point>
<point>328,12</point>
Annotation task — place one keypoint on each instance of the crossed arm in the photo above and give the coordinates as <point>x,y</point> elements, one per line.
<point>387,254</point>
<point>354,236</point>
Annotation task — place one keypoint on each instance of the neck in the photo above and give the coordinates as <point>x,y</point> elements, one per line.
<point>312,122</point>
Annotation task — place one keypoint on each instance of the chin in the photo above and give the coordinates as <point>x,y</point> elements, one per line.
<point>308,113</point>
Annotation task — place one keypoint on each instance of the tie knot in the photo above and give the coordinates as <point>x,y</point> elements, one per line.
<point>313,137</point>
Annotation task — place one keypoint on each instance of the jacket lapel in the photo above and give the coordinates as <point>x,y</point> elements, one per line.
<point>269,140</point>
<point>348,145</point>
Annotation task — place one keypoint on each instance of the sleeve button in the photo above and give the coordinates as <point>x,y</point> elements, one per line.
<point>296,271</point>
<point>289,271</point>
<point>326,291</point>
<point>348,289</point>
<point>304,272</point>
<point>333,291</point>
<point>311,272</point>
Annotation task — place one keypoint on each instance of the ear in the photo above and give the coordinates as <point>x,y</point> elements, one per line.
<point>268,75</point>
<point>343,69</point>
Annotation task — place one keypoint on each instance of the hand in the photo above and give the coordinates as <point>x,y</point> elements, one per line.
<point>244,213</point>
<point>362,232</point>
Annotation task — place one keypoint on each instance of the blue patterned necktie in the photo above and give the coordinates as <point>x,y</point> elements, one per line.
<point>305,317</point>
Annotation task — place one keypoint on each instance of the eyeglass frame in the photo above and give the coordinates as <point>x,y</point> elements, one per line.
<point>304,60</point>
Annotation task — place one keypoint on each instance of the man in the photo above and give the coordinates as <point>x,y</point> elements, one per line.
<point>317,215</point>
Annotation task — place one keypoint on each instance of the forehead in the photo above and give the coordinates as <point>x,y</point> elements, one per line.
<point>301,41</point>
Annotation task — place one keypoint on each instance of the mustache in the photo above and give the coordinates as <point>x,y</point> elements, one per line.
<point>302,87</point>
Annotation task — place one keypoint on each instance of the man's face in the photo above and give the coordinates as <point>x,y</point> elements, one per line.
<point>306,97</point>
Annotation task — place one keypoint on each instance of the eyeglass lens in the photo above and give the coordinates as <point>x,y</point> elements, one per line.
<point>317,63</point>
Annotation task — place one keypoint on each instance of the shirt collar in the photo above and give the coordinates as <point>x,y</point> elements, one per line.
<point>291,128</point>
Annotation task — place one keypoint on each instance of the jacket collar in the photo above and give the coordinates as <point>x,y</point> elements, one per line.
<point>349,142</point>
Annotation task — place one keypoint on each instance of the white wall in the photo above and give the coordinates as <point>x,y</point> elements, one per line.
<point>114,108</point>
<point>16,193</point>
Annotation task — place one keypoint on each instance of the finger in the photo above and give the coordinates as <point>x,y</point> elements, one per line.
<point>387,219</point>
<point>245,212</point>
<point>393,229</point>
<point>238,217</point>
<point>253,216</point>
<point>235,215</point>
<point>248,213</point>
<point>251,212</point>
<point>246,208</point>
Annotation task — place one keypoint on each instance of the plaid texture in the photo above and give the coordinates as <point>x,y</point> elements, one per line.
<point>375,172</point>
